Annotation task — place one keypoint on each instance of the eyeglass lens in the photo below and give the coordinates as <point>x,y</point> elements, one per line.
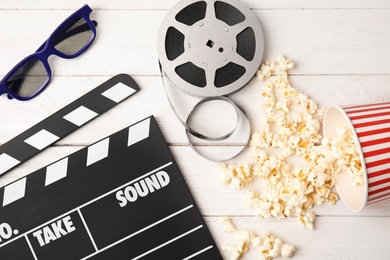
<point>32,75</point>
<point>28,79</point>
<point>73,37</point>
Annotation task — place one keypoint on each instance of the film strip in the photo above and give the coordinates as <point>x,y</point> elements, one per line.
<point>65,121</point>
<point>122,197</point>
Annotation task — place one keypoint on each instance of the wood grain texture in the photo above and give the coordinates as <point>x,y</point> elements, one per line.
<point>166,4</point>
<point>342,53</point>
<point>339,42</point>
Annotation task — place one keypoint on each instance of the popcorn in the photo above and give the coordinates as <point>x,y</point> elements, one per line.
<point>279,67</point>
<point>332,197</point>
<point>227,224</point>
<point>307,220</point>
<point>239,175</point>
<point>235,251</point>
<point>268,245</point>
<point>287,250</point>
<point>290,132</point>
<point>292,128</point>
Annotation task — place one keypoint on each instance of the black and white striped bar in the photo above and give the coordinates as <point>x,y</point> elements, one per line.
<point>65,121</point>
<point>122,197</point>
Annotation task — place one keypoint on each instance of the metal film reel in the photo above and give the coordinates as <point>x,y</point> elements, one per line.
<point>210,48</point>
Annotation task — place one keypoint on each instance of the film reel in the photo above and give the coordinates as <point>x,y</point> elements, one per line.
<point>210,48</point>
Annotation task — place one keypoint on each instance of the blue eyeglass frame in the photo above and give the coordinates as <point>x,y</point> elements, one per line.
<point>46,50</point>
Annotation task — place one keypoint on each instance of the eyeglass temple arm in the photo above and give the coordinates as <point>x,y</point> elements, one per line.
<point>79,29</point>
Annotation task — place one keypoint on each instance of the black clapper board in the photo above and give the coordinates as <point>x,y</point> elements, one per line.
<point>122,197</point>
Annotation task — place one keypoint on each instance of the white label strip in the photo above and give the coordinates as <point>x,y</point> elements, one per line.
<point>98,151</point>
<point>7,162</point>
<point>87,229</point>
<point>118,92</point>
<point>56,171</point>
<point>31,248</point>
<point>139,132</point>
<point>42,139</point>
<point>198,253</point>
<point>14,191</point>
<point>80,116</point>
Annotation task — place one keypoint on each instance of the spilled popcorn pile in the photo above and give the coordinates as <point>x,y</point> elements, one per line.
<point>291,130</point>
<point>268,245</point>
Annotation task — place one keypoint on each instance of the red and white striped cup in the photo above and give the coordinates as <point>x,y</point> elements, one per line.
<point>370,126</point>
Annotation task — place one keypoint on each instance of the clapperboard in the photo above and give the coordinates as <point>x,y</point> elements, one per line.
<point>122,197</point>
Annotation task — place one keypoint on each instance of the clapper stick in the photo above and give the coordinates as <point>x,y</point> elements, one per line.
<point>65,121</point>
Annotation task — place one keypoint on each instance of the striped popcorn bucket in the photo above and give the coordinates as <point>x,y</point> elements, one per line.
<point>370,126</point>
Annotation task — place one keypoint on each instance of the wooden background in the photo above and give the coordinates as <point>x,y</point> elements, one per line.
<point>342,53</point>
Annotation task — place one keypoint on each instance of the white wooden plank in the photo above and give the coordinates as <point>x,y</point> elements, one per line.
<point>320,41</point>
<point>333,238</point>
<point>166,4</point>
<point>326,90</point>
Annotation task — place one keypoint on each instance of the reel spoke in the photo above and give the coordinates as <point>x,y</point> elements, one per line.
<point>210,11</point>
<point>210,78</point>
<point>238,28</point>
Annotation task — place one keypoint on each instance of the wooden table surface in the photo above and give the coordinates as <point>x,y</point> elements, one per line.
<point>342,53</point>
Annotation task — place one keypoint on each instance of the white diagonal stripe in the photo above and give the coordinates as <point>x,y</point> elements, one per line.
<point>373,201</point>
<point>376,147</point>
<point>372,127</point>
<point>118,92</point>
<point>353,114</point>
<point>374,137</point>
<point>379,194</point>
<point>80,115</point>
<point>379,178</point>
<point>369,119</point>
<point>168,242</point>
<point>7,162</point>
<point>138,132</point>
<point>98,151</point>
<point>198,253</point>
<point>367,107</point>
<point>380,186</point>
<point>378,168</point>
<point>56,171</point>
<point>378,157</point>
<point>42,139</point>
<point>14,191</point>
